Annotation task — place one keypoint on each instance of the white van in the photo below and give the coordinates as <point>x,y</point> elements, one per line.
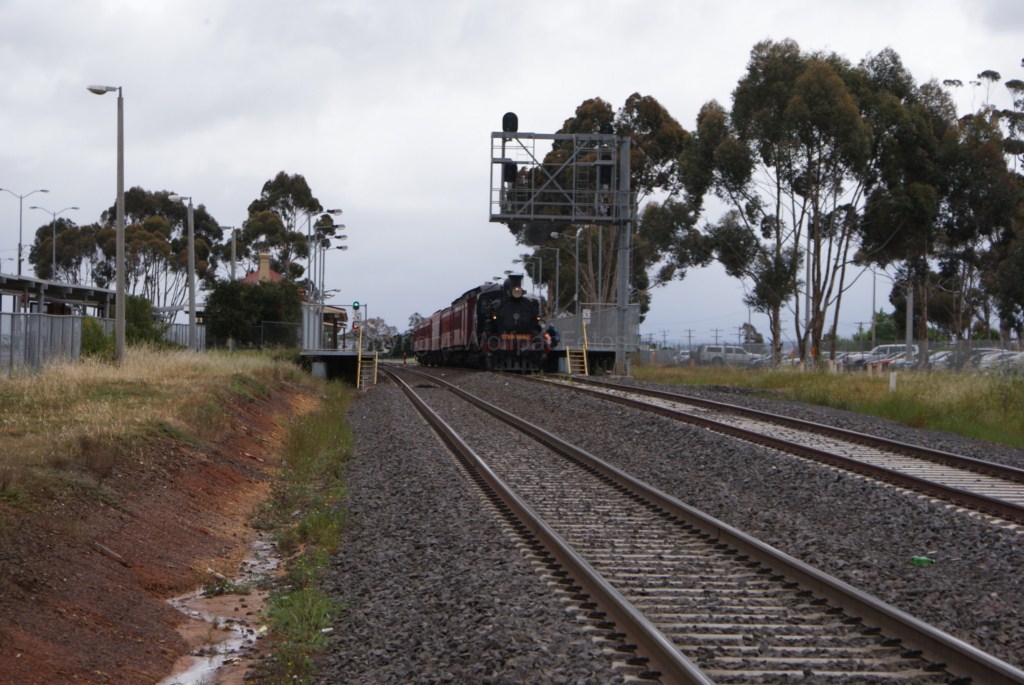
<point>720,355</point>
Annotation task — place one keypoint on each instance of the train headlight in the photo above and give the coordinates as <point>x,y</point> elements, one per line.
<point>517,292</point>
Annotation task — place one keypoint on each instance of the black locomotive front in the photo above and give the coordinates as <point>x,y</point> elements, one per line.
<point>510,328</point>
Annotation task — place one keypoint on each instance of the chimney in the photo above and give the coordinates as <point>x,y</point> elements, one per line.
<point>264,266</point>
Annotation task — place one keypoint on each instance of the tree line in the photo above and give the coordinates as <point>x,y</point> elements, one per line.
<point>819,170</point>
<point>286,221</point>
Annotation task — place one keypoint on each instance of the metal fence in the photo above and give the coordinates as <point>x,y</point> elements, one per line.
<point>177,333</point>
<point>965,355</point>
<point>28,341</point>
<point>32,340</point>
<point>602,330</point>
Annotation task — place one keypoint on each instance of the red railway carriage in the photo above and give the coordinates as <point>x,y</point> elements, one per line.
<point>491,326</point>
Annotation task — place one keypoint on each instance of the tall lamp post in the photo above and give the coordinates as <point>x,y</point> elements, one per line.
<point>119,255</point>
<point>558,267</point>
<point>576,258</point>
<point>322,268</point>
<point>315,244</point>
<point>191,269</point>
<point>53,237</point>
<point>538,270</point>
<point>21,201</point>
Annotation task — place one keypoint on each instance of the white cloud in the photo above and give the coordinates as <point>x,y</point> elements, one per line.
<point>386,107</point>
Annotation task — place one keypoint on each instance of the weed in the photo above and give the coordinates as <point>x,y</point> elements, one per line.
<point>219,585</point>
<point>248,387</point>
<point>980,406</point>
<point>299,615</point>
<point>307,514</point>
<point>163,429</point>
<point>307,568</point>
<point>87,415</point>
<point>15,495</point>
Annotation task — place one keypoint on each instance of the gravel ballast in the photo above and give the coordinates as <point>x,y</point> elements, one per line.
<point>437,591</point>
<point>859,531</point>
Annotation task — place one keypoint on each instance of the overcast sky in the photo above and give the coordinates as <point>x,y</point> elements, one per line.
<point>386,107</point>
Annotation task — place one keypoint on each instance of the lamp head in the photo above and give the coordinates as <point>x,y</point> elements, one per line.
<point>100,90</point>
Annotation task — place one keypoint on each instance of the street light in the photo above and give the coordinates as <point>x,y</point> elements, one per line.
<point>119,257</point>
<point>558,267</point>
<point>191,270</point>
<point>21,199</point>
<point>576,258</point>
<point>53,236</point>
<point>323,259</point>
<point>538,269</point>
<point>312,262</point>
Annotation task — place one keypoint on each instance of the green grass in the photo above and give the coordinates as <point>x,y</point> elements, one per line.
<point>306,516</point>
<point>981,406</point>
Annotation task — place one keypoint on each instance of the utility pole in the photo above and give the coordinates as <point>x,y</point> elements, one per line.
<point>715,332</point>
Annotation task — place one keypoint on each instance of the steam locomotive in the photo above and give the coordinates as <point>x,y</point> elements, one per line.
<point>494,327</point>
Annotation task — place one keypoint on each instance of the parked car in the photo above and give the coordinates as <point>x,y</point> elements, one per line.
<point>975,356</point>
<point>898,360</point>
<point>858,360</point>
<point>903,362</point>
<point>682,358</point>
<point>1014,364</point>
<point>943,359</point>
<point>994,361</point>
<point>719,355</point>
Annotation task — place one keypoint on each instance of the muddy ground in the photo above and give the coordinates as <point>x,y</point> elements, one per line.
<point>85,576</point>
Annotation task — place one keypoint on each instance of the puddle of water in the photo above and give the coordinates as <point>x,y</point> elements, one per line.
<point>223,629</point>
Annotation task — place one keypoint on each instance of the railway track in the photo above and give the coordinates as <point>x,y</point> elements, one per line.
<point>991,488</point>
<point>701,600</point>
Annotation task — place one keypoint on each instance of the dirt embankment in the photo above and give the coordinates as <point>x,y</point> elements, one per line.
<point>84,579</point>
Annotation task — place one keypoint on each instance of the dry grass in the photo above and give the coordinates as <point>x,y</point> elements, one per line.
<point>89,414</point>
<point>983,406</point>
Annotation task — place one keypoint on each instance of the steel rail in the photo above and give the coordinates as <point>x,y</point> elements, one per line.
<point>988,468</point>
<point>650,642</point>
<point>939,646</point>
<point>971,500</point>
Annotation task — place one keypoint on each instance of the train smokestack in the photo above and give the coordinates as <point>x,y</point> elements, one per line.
<point>514,286</point>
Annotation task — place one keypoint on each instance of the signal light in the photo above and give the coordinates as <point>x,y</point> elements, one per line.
<point>355,305</point>
<point>510,122</point>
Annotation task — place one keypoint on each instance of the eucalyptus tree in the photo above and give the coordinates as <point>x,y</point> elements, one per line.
<point>156,248</point>
<point>656,141</point>
<point>913,127</point>
<point>274,223</point>
<point>789,163</point>
<point>64,256</point>
<point>1014,118</point>
<point>982,220</point>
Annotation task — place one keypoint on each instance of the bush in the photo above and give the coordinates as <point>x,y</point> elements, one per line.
<point>140,326</point>
<point>96,343</point>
